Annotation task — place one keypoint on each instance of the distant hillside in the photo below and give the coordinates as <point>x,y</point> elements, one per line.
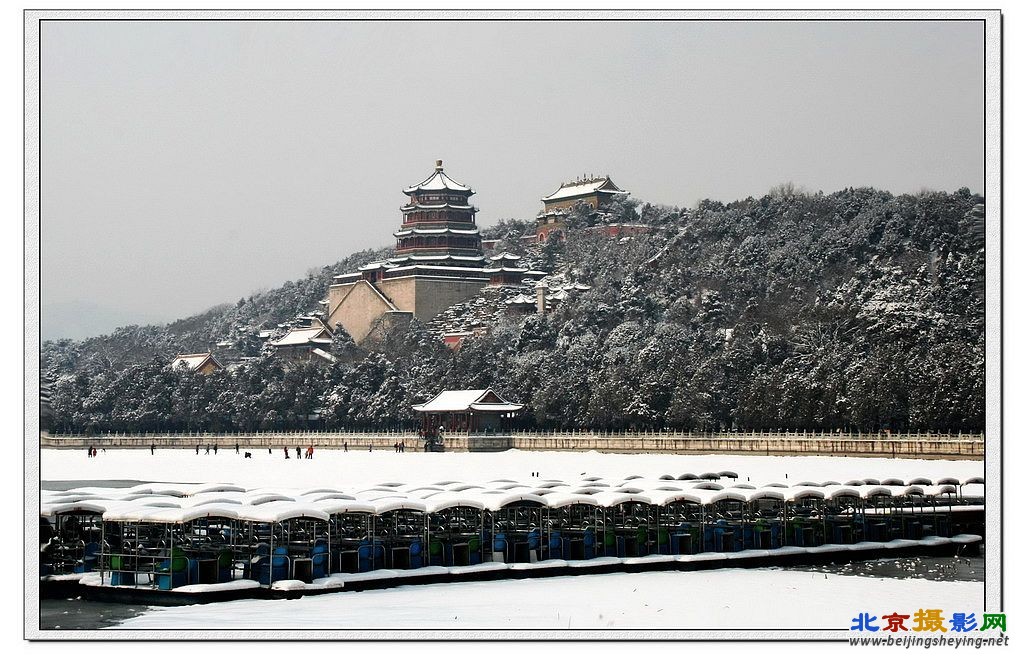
<point>856,309</point>
<point>228,322</point>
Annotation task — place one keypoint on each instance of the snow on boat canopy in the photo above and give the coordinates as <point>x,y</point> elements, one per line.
<point>208,537</point>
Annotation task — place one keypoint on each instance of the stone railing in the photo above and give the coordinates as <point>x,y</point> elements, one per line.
<point>784,443</point>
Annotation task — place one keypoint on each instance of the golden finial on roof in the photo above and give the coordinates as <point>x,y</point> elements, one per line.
<point>437,165</point>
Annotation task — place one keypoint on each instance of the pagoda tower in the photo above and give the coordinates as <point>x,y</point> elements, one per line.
<point>438,225</point>
<point>438,262</point>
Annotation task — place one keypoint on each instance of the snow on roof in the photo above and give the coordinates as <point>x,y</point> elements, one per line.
<point>583,187</point>
<point>504,269</point>
<point>87,506</point>
<point>436,257</point>
<point>300,336</point>
<point>178,516</point>
<point>832,492</point>
<point>442,503</point>
<point>214,488</point>
<point>255,499</point>
<point>211,498</point>
<point>730,494</point>
<point>193,361</point>
<point>138,503</point>
<point>443,230</point>
<point>438,181</point>
<point>559,500</point>
<point>797,493</point>
<point>944,489</point>
<point>495,501</point>
<point>506,256</point>
<point>319,497</point>
<point>396,503</point>
<point>664,497</point>
<point>496,407</point>
<point>324,354</point>
<point>274,512</point>
<point>465,400</point>
<point>614,499</point>
<point>131,512</point>
<point>560,295</point>
<point>464,272</point>
<point>873,491</point>
<point>336,505</point>
<point>900,491</point>
<point>445,205</point>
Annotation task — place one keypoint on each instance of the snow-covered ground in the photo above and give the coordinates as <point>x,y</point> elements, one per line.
<point>729,599</point>
<point>333,468</point>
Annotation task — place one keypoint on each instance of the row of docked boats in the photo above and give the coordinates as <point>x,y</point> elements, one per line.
<point>206,538</point>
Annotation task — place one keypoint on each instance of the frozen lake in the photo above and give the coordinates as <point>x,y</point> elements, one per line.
<point>727,599</point>
<point>331,468</point>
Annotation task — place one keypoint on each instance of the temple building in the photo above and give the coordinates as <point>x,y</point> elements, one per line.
<point>466,410</point>
<point>592,193</point>
<point>307,339</point>
<point>504,270</point>
<point>438,262</point>
<point>200,363</point>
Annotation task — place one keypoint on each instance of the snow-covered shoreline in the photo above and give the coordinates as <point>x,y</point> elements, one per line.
<point>329,468</point>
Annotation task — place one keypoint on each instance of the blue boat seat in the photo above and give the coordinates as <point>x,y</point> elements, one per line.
<point>416,554</point>
<point>556,548</point>
<point>589,541</point>
<point>319,559</point>
<point>173,572</point>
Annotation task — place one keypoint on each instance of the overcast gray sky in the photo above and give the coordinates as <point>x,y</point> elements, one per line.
<point>186,164</point>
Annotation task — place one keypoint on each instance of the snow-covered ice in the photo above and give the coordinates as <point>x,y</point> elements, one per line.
<point>729,599</point>
<point>331,468</point>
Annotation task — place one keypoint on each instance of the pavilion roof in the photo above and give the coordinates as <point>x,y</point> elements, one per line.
<point>583,187</point>
<point>438,181</point>
<point>194,361</point>
<point>301,336</point>
<point>468,401</point>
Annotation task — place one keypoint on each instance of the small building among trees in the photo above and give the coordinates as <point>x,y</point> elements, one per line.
<point>307,340</point>
<point>466,410</point>
<point>592,193</point>
<point>200,363</point>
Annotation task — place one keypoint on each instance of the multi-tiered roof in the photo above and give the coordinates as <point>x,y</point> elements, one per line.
<point>439,224</point>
